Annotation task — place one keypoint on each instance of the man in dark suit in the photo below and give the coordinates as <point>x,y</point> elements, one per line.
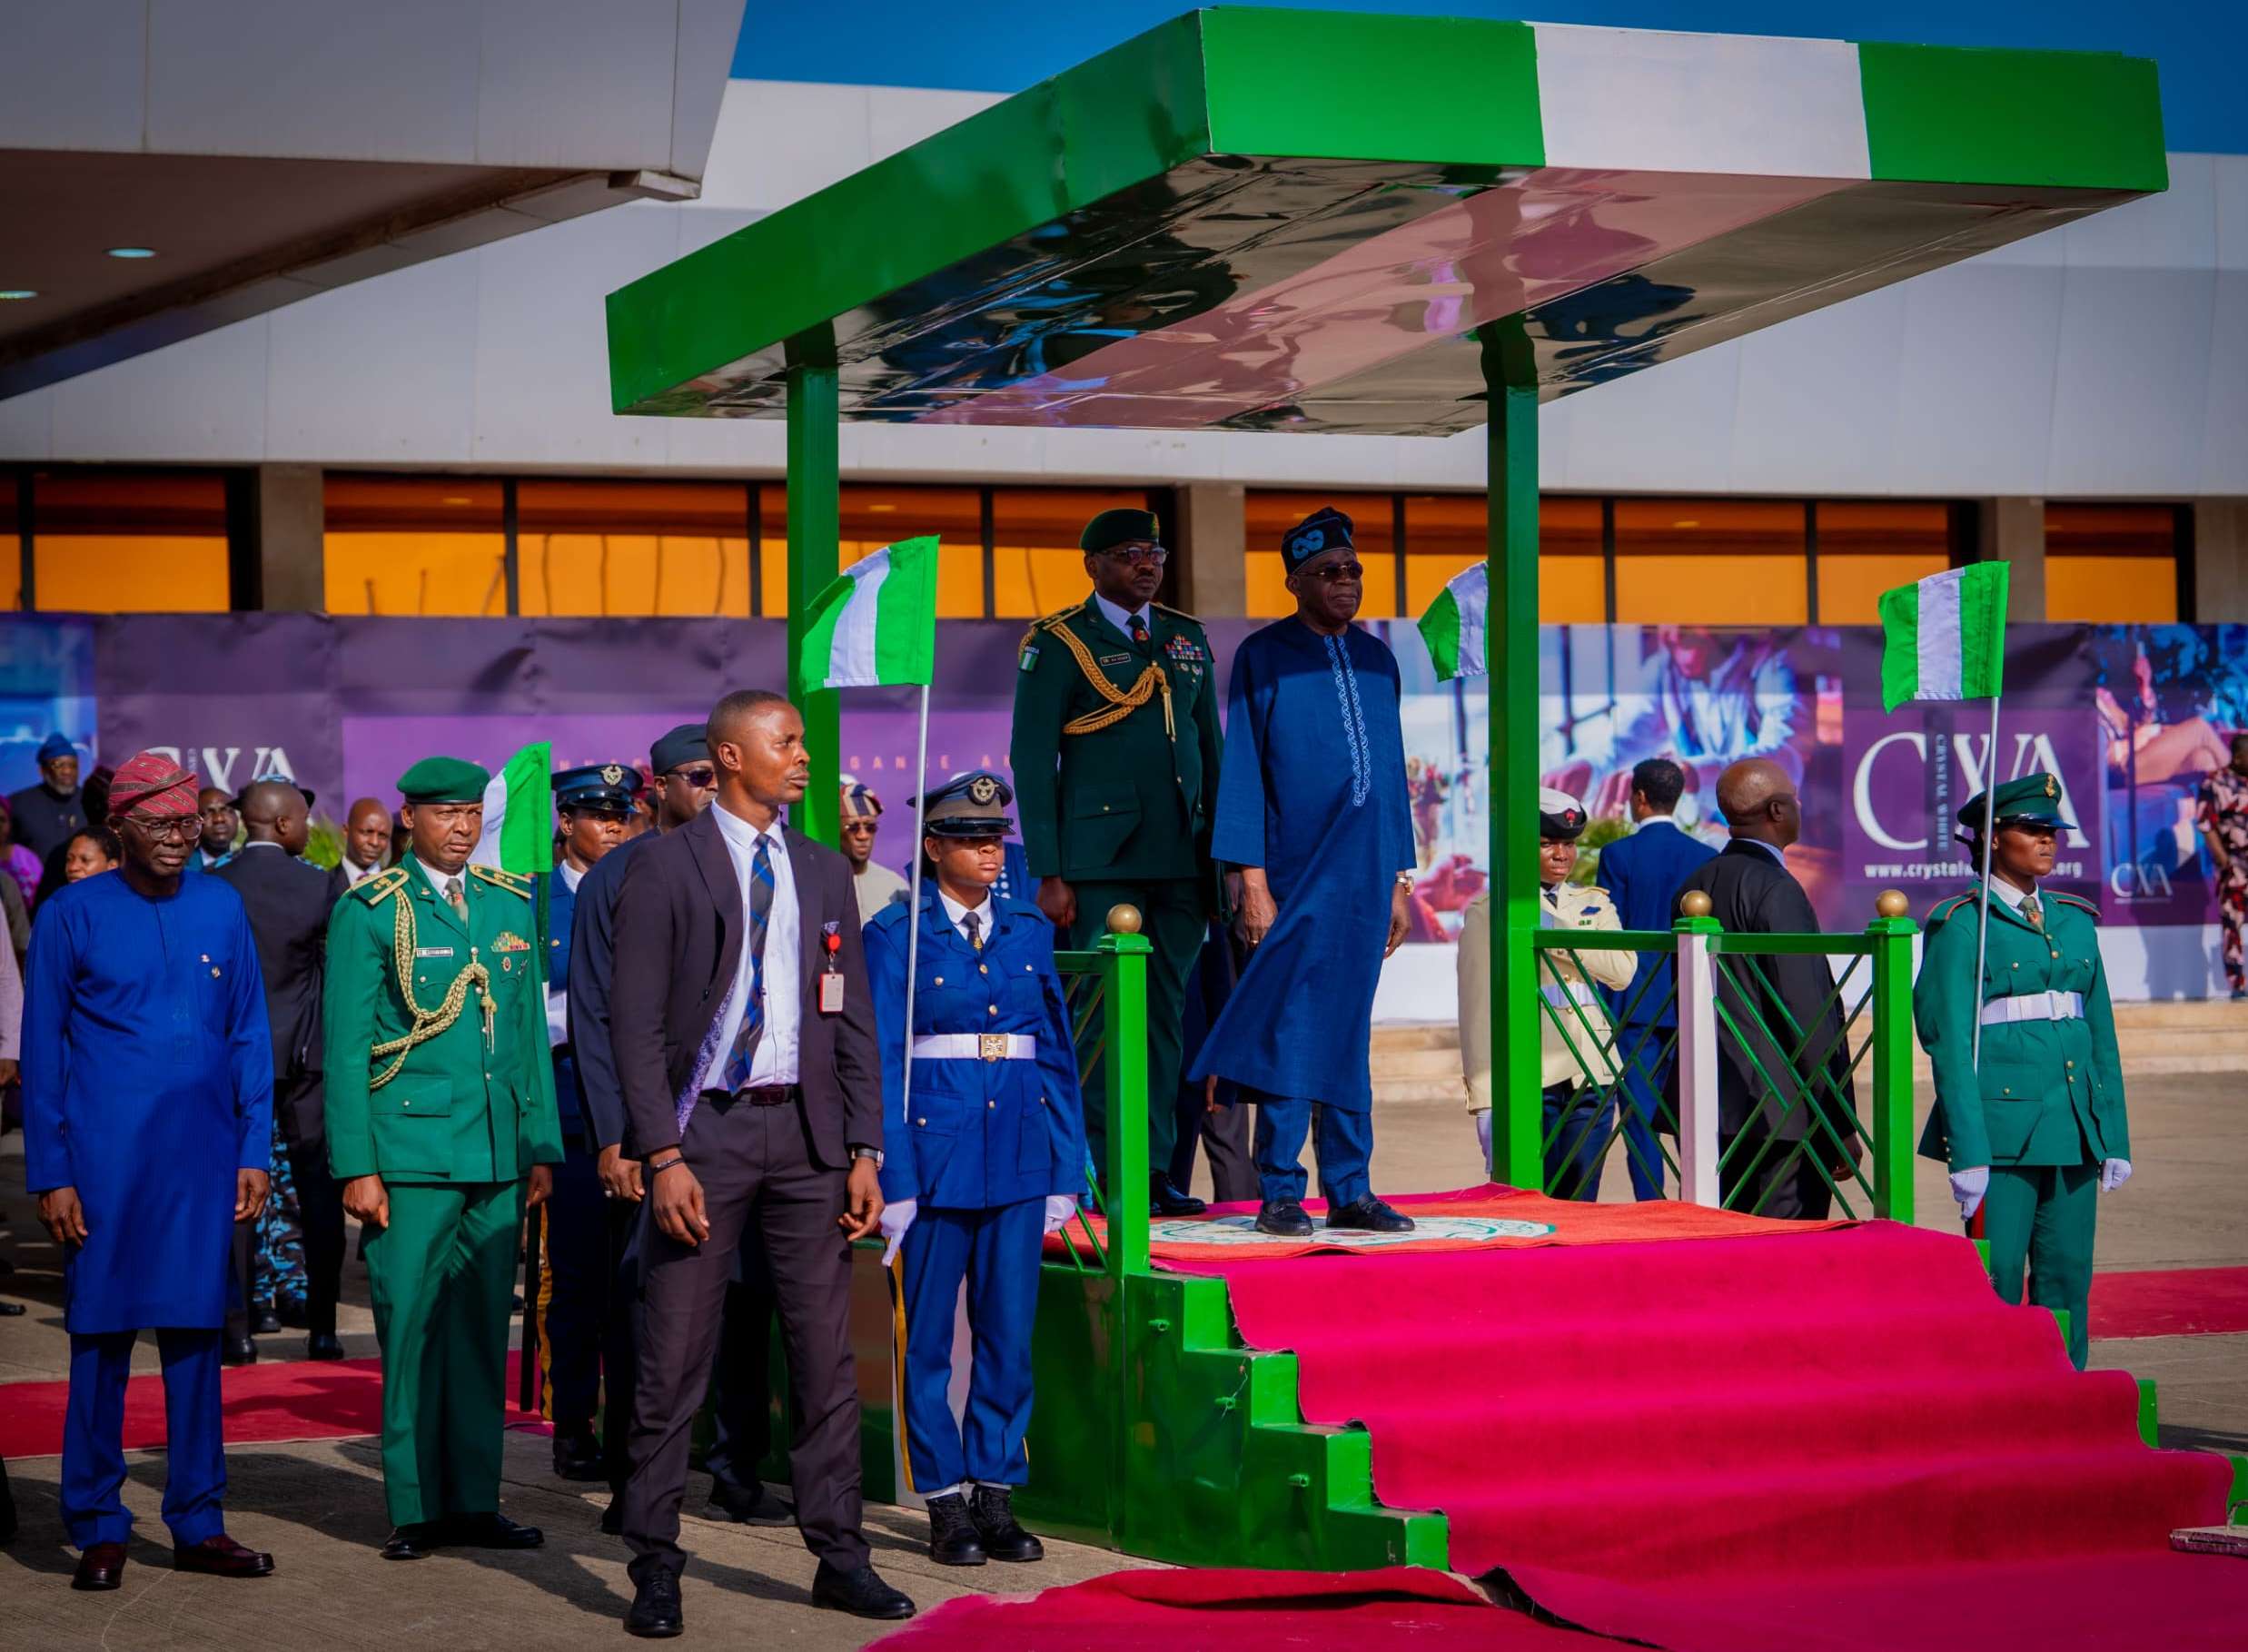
<point>744,1040</point>
<point>1643,874</point>
<point>288,902</point>
<point>1775,1147</point>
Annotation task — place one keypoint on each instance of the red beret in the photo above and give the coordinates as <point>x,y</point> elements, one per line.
<point>153,784</point>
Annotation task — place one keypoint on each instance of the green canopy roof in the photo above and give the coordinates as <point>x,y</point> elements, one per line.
<point>1274,219</point>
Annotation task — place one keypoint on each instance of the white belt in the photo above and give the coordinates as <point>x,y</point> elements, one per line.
<point>2035,1006</point>
<point>975,1046</point>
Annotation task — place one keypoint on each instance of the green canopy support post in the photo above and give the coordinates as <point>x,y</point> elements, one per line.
<point>1892,933</point>
<point>1125,1057</point>
<point>1511,645</point>
<point>814,531</point>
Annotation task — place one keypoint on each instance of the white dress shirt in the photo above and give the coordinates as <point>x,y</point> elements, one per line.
<point>355,874</point>
<point>438,880</point>
<point>775,1062</point>
<point>1777,853</point>
<point>2013,897</point>
<point>1121,617</point>
<point>557,998</point>
<point>958,914</point>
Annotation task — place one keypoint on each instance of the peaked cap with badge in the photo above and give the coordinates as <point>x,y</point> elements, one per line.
<point>611,788</point>
<point>2030,800</point>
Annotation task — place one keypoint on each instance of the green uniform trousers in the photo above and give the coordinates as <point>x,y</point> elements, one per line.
<point>443,1276</point>
<point>2040,1217</point>
<point>1174,917</point>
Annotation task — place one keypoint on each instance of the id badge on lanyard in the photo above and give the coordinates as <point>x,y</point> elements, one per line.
<point>831,972</point>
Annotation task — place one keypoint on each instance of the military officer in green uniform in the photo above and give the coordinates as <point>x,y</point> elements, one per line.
<point>441,1127</point>
<point>2035,1132</point>
<point>1115,758</point>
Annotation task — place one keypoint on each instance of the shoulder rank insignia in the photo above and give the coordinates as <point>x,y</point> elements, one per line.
<point>1944,909</point>
<point>1176,613</point>
<point>509,941</point>
<point>512,882</point>
<point>2077,901</point>
<point>381,887</point>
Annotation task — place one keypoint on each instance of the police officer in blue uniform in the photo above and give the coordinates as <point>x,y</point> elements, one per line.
<point>569,1311</point>
<point>984,1159</point>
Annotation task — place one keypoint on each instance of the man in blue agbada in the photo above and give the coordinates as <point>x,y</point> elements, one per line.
<point>1312,809</point>
<point>148,1095</point>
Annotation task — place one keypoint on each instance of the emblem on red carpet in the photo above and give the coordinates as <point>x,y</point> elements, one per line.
<point>1224,1231</point>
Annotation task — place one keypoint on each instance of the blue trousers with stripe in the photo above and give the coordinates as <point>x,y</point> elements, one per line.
<point>996,1253</point>
<point>93,1465</point>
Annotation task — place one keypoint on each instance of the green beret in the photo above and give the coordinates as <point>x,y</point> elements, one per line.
<point>444,780</point>
<point>2034,800</point>
<point>1112,528</point>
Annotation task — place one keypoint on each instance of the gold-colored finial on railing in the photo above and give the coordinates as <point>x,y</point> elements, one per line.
<point>1892,903</point>
<point>1694,903</point>
<point>1123,919</point>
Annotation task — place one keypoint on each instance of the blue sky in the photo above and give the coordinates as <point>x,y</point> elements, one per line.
<point>1003,46</point>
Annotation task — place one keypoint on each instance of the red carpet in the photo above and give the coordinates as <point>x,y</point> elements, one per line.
<point>269,1402</point>
<point>1401,1609</point>
<point>2171,1302</point>
<point>1488,1217</point>
<point>1777,1442</point>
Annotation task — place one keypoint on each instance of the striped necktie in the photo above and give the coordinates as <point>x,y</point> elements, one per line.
<point>456,899</point>
<point>745,1053</point>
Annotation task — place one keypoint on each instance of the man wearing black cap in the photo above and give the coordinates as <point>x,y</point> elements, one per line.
<point>1115,758</point>
<point>1313,719</point>
<point>685,782</point>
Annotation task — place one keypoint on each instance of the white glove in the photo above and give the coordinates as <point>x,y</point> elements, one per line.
<point>894,1221</point>
<point>1060,1208</point>
<point>2114,1173</point>
<point>1967,1188</point>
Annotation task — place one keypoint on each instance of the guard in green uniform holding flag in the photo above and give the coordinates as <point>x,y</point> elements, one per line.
<point>1115,758</point>
<point>441,1127</point>
<point>2032,1126</point>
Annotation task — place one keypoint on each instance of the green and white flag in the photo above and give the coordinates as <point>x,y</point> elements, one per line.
<point>519,815</point>
<point>876,624</point>
<point>1945,637</point>
<point>1453,626</point>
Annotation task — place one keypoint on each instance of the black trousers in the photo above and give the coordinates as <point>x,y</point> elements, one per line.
<point>572,1299</point>
<point>1223,1135</point>
<point>1785,1183</point>
<point>320,1210</point>
<point>757,1170</point>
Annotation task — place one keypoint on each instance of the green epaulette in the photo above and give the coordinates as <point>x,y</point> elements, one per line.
<point>1943,910</point>
<point>2078,901</point>
<point>1176,613</point>
<point>1058,618</point>
<point>381,887</point>
<point>514,883</point>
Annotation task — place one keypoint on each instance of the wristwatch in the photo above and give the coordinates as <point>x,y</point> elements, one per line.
<point>869,1152</point>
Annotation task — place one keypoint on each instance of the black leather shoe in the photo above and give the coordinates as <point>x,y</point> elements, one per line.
<point>101,1567</point>
<point>414,1541</point>
<point>9,1311</point>
<point>1163,1200</point>
<point>654,1614</point>
<point>490,1532</point>
<point>612,1517</point>
<point>293,1314</point>
<point>991,1508</point>
<point>237,1350</point>
<point>265,1322</point>
<point>861,1592</point>
<point>221,1557</point>
<point>952,1532</point>
<point>323,1345</point>
<point>1369,1215</point>
<point>577,1456</point>
<point>1283,1219</point>
<point>752,1505</point>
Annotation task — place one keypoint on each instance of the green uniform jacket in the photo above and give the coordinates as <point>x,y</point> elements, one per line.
<point>1130,801</point>
<point>2047,1090</point>
<point>459,1109</point>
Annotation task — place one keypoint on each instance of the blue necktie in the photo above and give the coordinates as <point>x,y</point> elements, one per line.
<point>753,1013</point>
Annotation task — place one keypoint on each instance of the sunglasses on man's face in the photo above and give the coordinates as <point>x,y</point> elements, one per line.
<point>1335,573</point>
<point>701,779</point>
<point>1138,553</point>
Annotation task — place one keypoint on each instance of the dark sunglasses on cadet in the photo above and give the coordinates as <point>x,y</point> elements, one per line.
<point>701,779</point>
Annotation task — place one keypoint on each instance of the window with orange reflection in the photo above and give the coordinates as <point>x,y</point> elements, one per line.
<point>2111,564</point>
<point>875,515</point>
<point>11,547</point>
<point>1866,546</point>
<point>123,541</point>
<point>415,544</point>
<point>1267,514</point>
<point>632,548</point>
<point>1036,566</point>
<point>1446,533</point>
<point>1711,561</point>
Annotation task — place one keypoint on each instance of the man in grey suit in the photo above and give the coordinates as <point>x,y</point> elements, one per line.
<point>1787,1108</point>
<point>745,1043</point>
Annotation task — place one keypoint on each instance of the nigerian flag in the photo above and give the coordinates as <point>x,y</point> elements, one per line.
<point>878,623</point>
<point>1453,626</point>
<point>1944,637</point>
<point>519,815</point>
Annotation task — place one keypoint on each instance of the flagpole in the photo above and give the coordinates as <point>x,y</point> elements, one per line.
<point>1982,928</point>
<point>912,915</point>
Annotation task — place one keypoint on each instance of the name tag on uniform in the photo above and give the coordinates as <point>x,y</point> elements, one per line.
<point>432,952</point>
<point>830,993</point>
<point>1116,659</point>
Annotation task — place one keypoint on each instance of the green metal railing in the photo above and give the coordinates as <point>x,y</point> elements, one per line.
<point>1805,1079</point>
<point>1106,989</point>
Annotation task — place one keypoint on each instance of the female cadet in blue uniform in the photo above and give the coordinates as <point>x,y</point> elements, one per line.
<point>983,1163</point>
